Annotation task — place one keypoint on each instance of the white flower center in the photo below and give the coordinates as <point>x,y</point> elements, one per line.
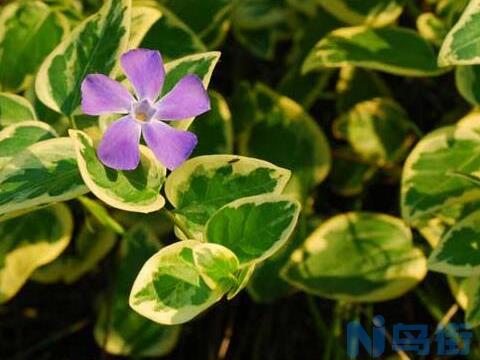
<point>143,111</point>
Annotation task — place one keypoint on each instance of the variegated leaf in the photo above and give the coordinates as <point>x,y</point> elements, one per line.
<point>382,262</point>
<point>143,18</point>
<point>29,31</point>
<point>201,65</point>
<point>255,227</point>
<point>429,184</point>
<point>172,288</point>
<point>461,44</point>
<point>92,47</point>
<point>93,243</point>
<point>457,253</point>
<point>14,109</point>
<point>137,190</point>
<point>283,133</point>
<point>119,330</point>
<point>44,173</point>
<point>204,184</point>
<point>467,80</point>
<point>382,49</point>
<point>370,12</point>
<point>17,137</point>
<point>432,28</point>
<point>378,130</point>
<point>30,241</point>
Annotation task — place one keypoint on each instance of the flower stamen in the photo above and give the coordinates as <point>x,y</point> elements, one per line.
<point>141,116</point>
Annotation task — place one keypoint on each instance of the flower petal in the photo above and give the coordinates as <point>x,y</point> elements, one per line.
<point>187,99</point>
<point>171,146</point>
<point>144,70</point>
<point>101,95</point>
<point>119,148</point>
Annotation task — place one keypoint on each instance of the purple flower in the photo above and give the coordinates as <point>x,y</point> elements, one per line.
<point>144,113</point>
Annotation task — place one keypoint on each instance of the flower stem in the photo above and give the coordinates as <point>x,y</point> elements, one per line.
<point>72,121</point>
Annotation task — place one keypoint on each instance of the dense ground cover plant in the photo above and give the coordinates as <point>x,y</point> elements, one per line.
<point>159,157</point>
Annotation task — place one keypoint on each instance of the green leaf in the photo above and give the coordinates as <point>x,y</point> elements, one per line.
<point>432,28</point>
<point>172,37</point>
<point>283,133</point>
<point>266,285</point>
<point>217,265</point>
<point>101,214</point>
<point>29,31</point>
<point>382,262</point>
<point>210,19</point>
<point>92,47</point>
<point>461,44</point>
<point>204,184</point>
<point>395,50</point>
<point>378,130</point>
<point>201,65</point>
<point>214,129</point>
<point>243,278</point>
<point>17,137</point>
<point>136,190</point>
<point>119,330</point>
<point>355,85</point>
<point>143,19</point>
<point>255,227</point>
<point>172,289</point>
<point>349,174</point>
<point>472,292</point>
<point>14,109</point>
<point>92,244</point>
<point>371,12</point>
<point>261,43</point>
<point>27,244</point>
<point>457,253</point>
<point>44,173</point>
<point>258,14</point>
<point>428,182</point>
<point>467,80</point>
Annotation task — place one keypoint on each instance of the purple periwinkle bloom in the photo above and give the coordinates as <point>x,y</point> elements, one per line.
<point>144,113</point>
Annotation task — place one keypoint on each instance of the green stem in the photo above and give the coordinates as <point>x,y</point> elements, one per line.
<point>178,224</point>
<point>317,318</point>
<point>332,335</point>
<point>73,122</point>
